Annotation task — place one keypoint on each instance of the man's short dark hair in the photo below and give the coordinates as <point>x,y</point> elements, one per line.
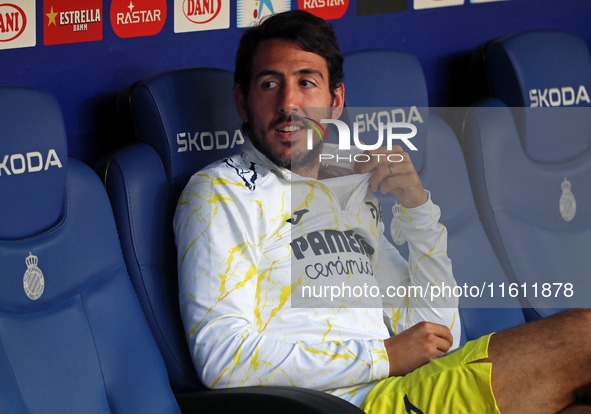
<point>310,33</point>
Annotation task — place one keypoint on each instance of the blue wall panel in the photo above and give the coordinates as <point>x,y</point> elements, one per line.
<point>86,77</point>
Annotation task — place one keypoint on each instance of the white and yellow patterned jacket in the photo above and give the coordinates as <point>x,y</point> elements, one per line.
<point>285,280</point>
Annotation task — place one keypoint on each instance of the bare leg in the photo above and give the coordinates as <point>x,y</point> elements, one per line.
<point>543,366</point>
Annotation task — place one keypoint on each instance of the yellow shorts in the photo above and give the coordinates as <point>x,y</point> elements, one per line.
<point>450,384</point>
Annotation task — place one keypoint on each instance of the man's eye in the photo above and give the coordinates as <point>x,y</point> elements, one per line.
<point>307,83</point>
<point>269,84</point>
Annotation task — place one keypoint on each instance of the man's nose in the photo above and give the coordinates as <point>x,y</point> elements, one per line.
<point>288,100</point>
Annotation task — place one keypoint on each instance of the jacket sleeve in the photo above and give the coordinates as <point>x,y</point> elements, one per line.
<point>413,289</point>
<point>220,234</point>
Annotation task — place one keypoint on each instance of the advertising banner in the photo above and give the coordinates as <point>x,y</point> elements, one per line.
<point>17,24</point>
<point>135,18</point>
<point>430,4</point>
<point>199,15</point>
<point>250,11</point>
<point>72,21</point>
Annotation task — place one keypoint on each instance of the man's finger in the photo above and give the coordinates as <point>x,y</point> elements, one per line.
<point>380,157</point>
<point>383,172</point>
<point>443,332</point>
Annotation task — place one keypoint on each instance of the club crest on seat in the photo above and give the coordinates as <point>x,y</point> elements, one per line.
<point>33,281</point>
<point>568,204</point>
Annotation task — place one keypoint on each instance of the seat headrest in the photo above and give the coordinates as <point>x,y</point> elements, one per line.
<point>544,69</point>
<point>391,85</point>
<point>33,161</point>
<point>189,117</point>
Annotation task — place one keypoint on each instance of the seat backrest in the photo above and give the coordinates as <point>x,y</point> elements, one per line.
<point>72,334</point>
<point>543,69</point>
<point>184,120</point>
<point>528,154</point>
<point>188,116</point>
<point>390,80</point>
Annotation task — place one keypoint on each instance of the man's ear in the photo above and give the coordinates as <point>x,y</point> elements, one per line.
<point>240,101</point>
<point>339,101</point>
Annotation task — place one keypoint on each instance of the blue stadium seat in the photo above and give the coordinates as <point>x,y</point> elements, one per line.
<point>178,129</point>
<point>527,148</point>
<point>73,338</point>
<point>184,120</point>
<point>388,81</point>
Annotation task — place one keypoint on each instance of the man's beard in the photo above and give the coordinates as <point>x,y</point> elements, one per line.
<point>307,160</point>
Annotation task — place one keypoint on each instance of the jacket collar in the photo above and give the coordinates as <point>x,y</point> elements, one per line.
<point>336,163</point>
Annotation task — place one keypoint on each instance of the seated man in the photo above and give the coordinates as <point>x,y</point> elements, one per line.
<point>254,230</point>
